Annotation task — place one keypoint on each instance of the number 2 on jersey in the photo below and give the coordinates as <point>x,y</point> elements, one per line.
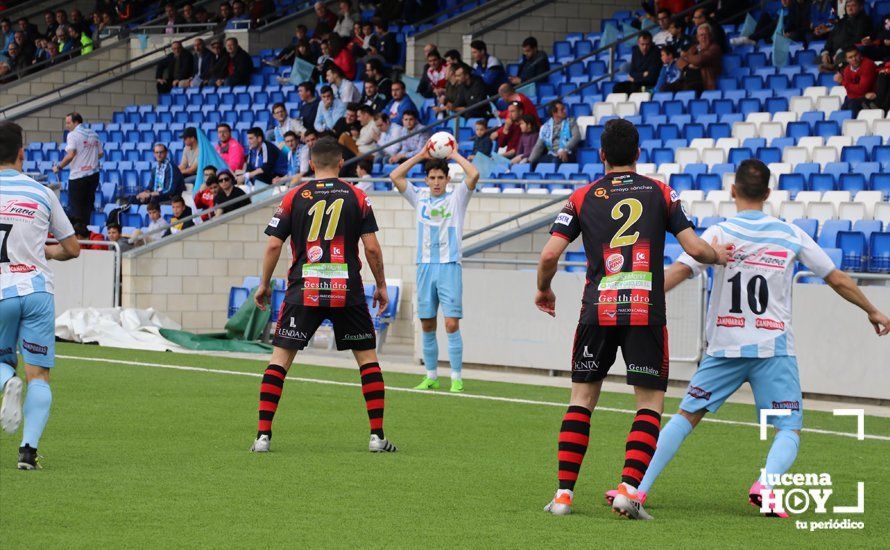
<point>635,210</point>
<point>318,212</point>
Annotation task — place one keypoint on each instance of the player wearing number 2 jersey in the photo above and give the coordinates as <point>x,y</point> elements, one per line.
<point>622,219</point>
<point>749,325</point>
<point>28,212</point>
<point>324,219</point>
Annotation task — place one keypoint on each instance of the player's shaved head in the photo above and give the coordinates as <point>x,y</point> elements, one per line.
<point>326,153</point>
<point>11,142</point>
<point>620,143</point>
<point>752,180</point>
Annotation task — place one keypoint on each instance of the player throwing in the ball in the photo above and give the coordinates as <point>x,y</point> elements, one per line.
<point>440,220</point>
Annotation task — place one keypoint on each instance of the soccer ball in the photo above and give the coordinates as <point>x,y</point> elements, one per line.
<point>441,145</point>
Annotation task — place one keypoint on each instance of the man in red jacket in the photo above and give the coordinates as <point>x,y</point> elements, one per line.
<point>858,78</point>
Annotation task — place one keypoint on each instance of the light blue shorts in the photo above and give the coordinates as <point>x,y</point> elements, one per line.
<point>28,323</point>
<point>774,381</point>
<point>439,284</point>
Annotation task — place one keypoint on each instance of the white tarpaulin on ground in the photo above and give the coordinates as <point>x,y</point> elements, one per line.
<point>117,328</point>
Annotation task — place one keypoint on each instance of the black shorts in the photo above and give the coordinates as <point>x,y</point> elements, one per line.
<point>353,327</point>
<point>645,352</point>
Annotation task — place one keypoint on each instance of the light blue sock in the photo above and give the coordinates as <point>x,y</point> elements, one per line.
<point>36,411</point>
<point>669,441</point>
<point>6,372</point>
<point>430,354</point>
<point>456,353</point>
<point>782,453</point>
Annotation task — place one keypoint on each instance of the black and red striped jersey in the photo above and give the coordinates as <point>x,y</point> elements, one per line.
<point>325,220</point>
<point>622,219</point>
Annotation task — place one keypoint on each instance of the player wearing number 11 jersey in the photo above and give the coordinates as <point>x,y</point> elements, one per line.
<point>324,219</point>
<point>622,219</point>
<point>749,325</point>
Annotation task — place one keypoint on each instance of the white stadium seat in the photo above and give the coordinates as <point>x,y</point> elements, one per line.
<point>584,122</point>
<point>806,197</point>
<point>881,128</point>
<point>869,199</point>
<point>882,212</point>
<point>562,191</point>
<point>757,117</point>
<point>856,128</point>
<point>728,143</point>
<point>668,169</point>
<point>828,104</point>
<point>853,211</point>
<point>838,91</point>
<point>689,196</point>
<point>713,156</point>
<point>626,109</point>
<point>686,155</point>
<point>616,98</point>
<point>811,141</point>
<point>727,209</point>
<point>491,189</point>
<point>801,104</point>
<point>870,114</point>
<point>639,97</point>
<point>744,130</point>
<point>836,197</point>
<point>771,130</point>
<point>839,142</point>
<point>784,117</point>
<point>778,196</point>
<point>729,179</point>
<point>646,168</point>
<point>538,191</point>
<point>821,211</point>
<point>815,91</point>
<point>702,143</point>
<point>703,209</point>
<point>718,196</point>
<point>824,155</point>
<point>514,191</point>
<point>795,155</point>
<point>791,210</point>
<point>779,168</point>
<point>603,109</point>
<point>654,176</point>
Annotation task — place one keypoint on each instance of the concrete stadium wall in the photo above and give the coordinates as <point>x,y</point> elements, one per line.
<point>188,275</point>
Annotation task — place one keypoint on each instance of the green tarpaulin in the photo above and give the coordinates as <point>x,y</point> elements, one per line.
<point>242,333</point>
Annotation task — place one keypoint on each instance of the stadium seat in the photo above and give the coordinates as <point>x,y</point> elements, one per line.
<point>879,251</point>
<point>810,227</point>
<point>829,231</point>
<point>237,296</point>
<point>853,250</point>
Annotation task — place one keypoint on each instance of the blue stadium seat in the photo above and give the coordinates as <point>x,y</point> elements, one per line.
<point>879,246</point>
<point>809,226</point>
<point>881,182</point>
<point>853,249</point>
<point>793,183</point>
<point>827,129</point>
<point>769,154</point>
<point>867,227</point>
<point>822,182</point>
<point>237,296</point>
<point>830,229</point>
<point>852,182</point>
<point>854,153</point>
<point>738,154</point>
<point>680,182</point>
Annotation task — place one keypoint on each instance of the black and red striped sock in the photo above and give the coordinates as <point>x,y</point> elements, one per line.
<point>270,393</point>
<point>640,446</point>
<point>574,435</point>
<point>374,392</point>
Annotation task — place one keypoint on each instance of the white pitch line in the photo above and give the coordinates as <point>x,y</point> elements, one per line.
<point>443,394</point>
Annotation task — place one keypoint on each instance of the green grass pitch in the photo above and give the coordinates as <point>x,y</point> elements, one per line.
<point>147,457</point>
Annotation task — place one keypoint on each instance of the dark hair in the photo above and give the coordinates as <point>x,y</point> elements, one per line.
<point>211,181</point>
<point>850,48</point>
<point>81,230</point>
<point>326,153</point>
<point>481,122</point>
<point>224,125</point>
<point>327,90</point>
<point>752,179</point>
<point>479,45</point>
<point>365,109</point>
<point>552,107</point>
<point>75,117</point>
<point>309,87</point>
<point>378,22</point>
<point>530,42</point>
<point>375,64</point>
<point>178,198</point>
<point>334,69</point>
<point>620,142</point>
<point>11,141</point>
<point>411,112</point>
<point>277,105</point>
<point>113,225</point>
<point>531,121</point>
<point>366,164</point>
<point>310,132</point>
<point>190,132</point>
<point>291,133</point>
<point>256,131</point>
<point>453,54</point>
<point>209,167</point>
<point>436,164</point>
<point>352,106</point>
<point>670,50</point>
<point>382,117</point>
<point>435,54</point>
<point>154,206</point>
<point>659,12</point>
<point>400,83</point>
<point>645,34</point>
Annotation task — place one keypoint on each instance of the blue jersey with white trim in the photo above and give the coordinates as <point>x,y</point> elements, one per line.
<point>28,212</point>
<point>440,222</point>
<point>749,313</point>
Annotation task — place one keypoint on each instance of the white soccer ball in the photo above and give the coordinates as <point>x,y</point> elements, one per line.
<point>441,145</point>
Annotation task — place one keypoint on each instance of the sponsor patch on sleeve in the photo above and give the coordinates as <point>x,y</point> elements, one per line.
<point>274,222</point>
<point>674,196</point>
<point>564,219</point>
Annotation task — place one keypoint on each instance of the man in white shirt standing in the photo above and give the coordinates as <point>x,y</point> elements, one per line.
<point>82,151</point>
<point>29,212</point>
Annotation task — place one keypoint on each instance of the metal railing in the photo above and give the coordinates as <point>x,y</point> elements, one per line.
<point>116,248</point>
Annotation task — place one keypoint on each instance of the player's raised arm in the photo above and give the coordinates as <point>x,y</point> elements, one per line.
<point>847,288</point>
<point>270,260</point>
<point>545,299</point>
<point>472,173</point>
<point>703,252</point>
<point>67,249</point>
<point>399,176</point>
<point>374,257</point>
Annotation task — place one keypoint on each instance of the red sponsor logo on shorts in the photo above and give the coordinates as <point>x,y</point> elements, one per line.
<point>21,268</point>
<point>730,321</point>
<point>769,324</point>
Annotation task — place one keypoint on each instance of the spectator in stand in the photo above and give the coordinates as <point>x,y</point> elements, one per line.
<point>286,56</point>
<point>7,35</point>
<point>41,53</point>
<point>342,56</point>
<point>297,160</point>
<point>389,133</point>
<point>858,78</point>
<point>346,20</point>
<point>452,57</point>
<point>61,18</point>
<point>880,48</point>
<point>83,44</point>
<point>240,65</point>
<point>77,21</point>
<point>435,76</point>
<point>152,232</point>
<point>399,104</point>
<point>718,35</point>
<point>383,43</point>
<point>528,138</point>
<point>240,18</point>
<point>14,59</point>
<point>85,234</point>
<point>52,52</point>
<point>411,145</point>
<point>855,28</point>
<point>265,162</point>
<point>534,62</point>
<point>447,99</point>
<point>374,71</point>
<point>679,39</point>
<point>309,103</point>
<point>225,199</point>
<point>487,67</point>
<point>364,168</point>
<point>49,19</point>
<point>507,136</point>
<point>175,70</point>
<point>219,63</point>
<point>509,94</point>
<point>795,21</point>
<point>663,19</point>
<point>282,123</point>
<point>171,19</point>
<point>822,18</point>
<point>26,46</point>
<point>82,152</point>
<point>202,17</point>
<point>188,19</point>
<point>204,197</point>
<point>482,142</point>
<point>326,19</point>
<point>188,163</point>
<point>225,14</point>
<point>558,138</point>
<point>707,57</point>
<point>372,96</point>
<point>115,235</point>
<point>645,65</point>
<point>349,117</point>
<point>165,180</point>
<point>180,211</point>
<point>124,10</point>
<point>202,60</point>
<point>344,89</point>
<point>669,74</point>
<point>471,90</point>
<point>370,133</point>
<point>65,42</point>
<point>330,111</point>
<point>231,151</point>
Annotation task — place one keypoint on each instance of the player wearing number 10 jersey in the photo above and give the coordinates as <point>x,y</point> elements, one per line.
<point>749,325</point>
<point>622,219</point>
<point>324,218</point>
